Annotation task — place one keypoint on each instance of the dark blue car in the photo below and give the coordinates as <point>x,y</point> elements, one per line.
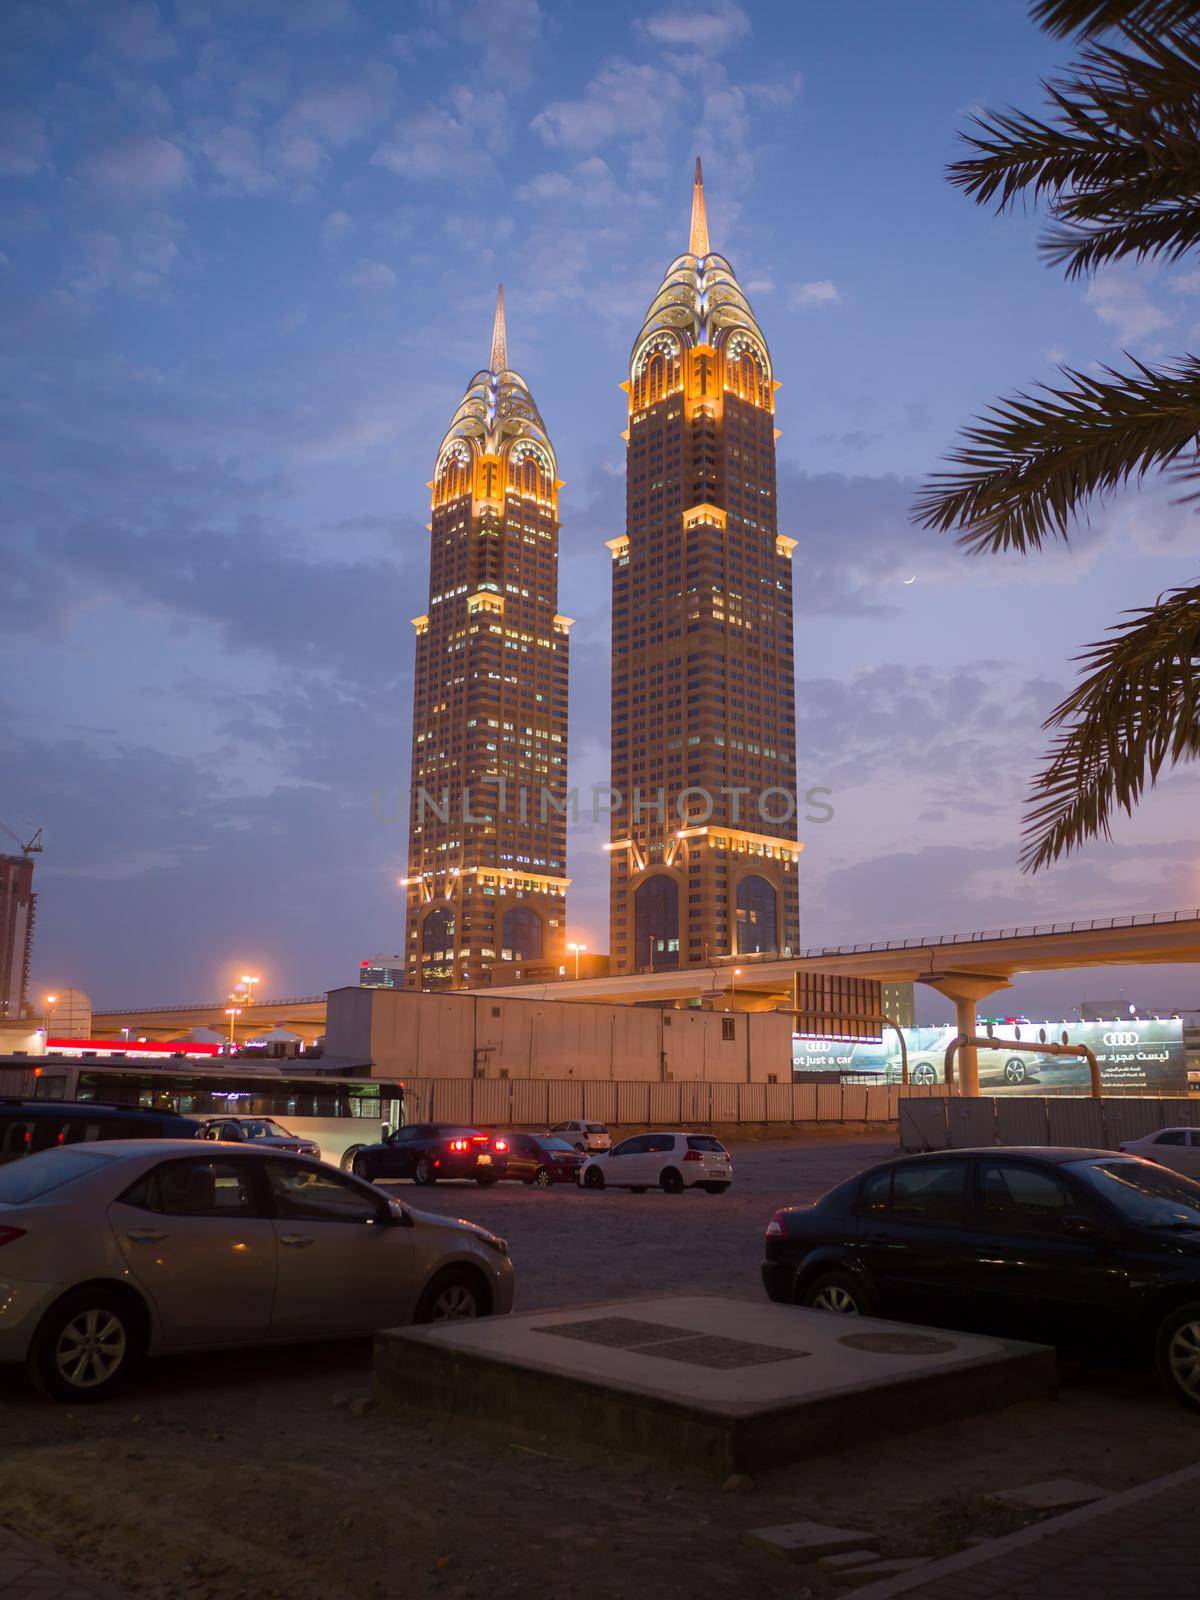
<point>427,1151</point>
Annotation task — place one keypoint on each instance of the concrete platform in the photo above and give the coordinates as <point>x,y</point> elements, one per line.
<point>703,1381</point>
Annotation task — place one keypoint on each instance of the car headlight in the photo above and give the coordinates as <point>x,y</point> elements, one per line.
<point>500,1246</point>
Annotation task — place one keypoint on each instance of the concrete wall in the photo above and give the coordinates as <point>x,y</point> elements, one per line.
<point>412,1035</point>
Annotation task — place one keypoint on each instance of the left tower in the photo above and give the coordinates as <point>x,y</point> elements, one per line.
<point>487,836</point>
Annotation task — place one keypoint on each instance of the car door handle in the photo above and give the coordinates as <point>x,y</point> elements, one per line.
<point>145,1236</point>
<point>296,1240</point>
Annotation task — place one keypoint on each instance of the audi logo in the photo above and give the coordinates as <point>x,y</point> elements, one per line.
<point>1120,1038</point>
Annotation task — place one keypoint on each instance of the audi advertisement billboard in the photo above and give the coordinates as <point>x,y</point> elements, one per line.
<point>1132,1054</point>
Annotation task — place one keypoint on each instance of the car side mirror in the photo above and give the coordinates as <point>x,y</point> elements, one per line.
<point>1080,1227</point>
<point>394,1215</point>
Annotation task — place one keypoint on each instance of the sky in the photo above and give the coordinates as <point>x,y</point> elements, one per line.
<point>249,254</point>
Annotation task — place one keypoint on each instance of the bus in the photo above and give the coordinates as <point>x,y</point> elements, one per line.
<point>340,1113</point>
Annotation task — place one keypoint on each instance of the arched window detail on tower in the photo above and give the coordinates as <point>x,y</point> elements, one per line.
<point>453,477</point>
<point>656,923</point>
<point>437,936</point>
<point>756,916</point>
<point>521,935</point>
<point>655,370</point>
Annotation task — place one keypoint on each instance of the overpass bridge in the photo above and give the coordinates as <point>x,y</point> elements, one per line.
<point>304,1017</point>
<point>963,966</point>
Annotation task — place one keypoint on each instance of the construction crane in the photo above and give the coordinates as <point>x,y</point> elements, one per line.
<point>29,847</point>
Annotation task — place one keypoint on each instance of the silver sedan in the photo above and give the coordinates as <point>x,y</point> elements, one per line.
<point>116,1250</point>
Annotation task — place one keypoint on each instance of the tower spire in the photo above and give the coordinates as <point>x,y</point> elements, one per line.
<point>499,361</point>
<point>699,240</point>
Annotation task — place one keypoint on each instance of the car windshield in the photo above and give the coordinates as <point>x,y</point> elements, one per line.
<point>556,1144</point>
<point>596,1127</point>
<point>1144,1193</point>
<point>49,1169</point>
<point>705,1141</point>
<point>263,1128</point>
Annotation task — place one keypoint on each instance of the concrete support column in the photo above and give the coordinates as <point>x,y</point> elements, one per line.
<point>966,989</point>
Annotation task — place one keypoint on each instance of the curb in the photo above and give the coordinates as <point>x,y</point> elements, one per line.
<point>980,1555</point>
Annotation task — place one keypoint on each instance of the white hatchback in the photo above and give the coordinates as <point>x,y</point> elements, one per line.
<point>584,1136</point>
<point>672,1162</point>
<point>1177,1148</point>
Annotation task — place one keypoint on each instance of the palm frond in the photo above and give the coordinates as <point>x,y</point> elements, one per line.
<point>1118,162</point>
<point>1136,710</point>
<point>1026,468</point>
<point>1062,17</point>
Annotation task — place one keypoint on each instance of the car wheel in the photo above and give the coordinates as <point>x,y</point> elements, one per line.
<point>350,1157</point>
<point>593,1178</point>
<point>671,1181</point>
<point>452,1296</point>
<point>423,1171</point>
<point>715,1188</point>
<point>1177,1354</point>
<point>359,1167</point>
<point>1015,1072</point>
<point>923,1073</point>
<point>840,1293</point>
<point>543,1177</point>
<point>87,1346</point>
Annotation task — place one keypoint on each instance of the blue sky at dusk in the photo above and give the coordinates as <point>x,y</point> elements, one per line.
<point>249,254</point>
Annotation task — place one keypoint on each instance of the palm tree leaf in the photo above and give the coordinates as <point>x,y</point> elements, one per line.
<point>1136,710</point>
<point>1063,17</point>
<point>1117,164</point>
<point>1026,468</point>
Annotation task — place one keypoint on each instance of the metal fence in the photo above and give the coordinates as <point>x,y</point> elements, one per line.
<point>951,1123</point>
<point>543,1102</point>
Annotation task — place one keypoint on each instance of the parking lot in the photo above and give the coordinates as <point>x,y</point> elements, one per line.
<point>571,1245</point>
<point>249,1475</point>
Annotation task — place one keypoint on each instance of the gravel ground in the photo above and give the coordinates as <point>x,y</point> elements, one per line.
<point>237,1476</point>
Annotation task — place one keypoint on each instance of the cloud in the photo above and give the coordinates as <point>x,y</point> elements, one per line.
<point>136,32</point>
<point>140,165</point>
<point>625,98</point>
<point>588,183</point>
<point>370,275</point>
<point>24,143</point>
<point>1185,283</point>
<point>820,293</point>
<point>141,261</point>
<point>1120,300</point>
<point>433,142</point>
<point>708,28</point>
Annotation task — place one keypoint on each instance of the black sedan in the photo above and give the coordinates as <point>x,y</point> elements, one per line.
<point>427,1151</point>
<point>1082,1248</point>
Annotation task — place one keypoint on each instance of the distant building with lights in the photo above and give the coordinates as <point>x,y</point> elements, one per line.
<point>382,972</point>
<point>18,909</point>
<point>486,884</point>
<point>704,852</point>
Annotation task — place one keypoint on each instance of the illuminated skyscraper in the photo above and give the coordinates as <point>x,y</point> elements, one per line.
<point>487,824</point>
<point>704,849</point>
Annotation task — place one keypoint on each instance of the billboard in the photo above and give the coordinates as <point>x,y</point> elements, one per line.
<point>1132,1054</point>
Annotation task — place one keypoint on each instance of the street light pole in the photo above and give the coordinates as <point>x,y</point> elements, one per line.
<point>578,949</point>
<point>737,972</point>
<point>231,1012</point>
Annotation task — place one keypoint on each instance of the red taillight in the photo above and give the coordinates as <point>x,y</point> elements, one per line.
<point>775,1228</point>
<point>459,1144</point>
<point>478,1138</point>
<point>7,1235</point>
<point>501,1144</point>
<point>693,1155</point>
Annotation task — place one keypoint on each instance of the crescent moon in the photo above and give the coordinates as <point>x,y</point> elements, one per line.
<point>913,579</point>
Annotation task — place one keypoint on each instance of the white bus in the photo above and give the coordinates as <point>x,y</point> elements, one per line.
<point>340,1113</point>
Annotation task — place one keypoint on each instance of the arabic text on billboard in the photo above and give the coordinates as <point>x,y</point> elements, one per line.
<point>1133,1054</point>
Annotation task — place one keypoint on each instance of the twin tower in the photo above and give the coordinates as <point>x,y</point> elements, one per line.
<point>701,808</point>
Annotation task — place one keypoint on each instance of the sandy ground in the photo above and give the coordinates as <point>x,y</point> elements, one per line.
<point>239,1475</point>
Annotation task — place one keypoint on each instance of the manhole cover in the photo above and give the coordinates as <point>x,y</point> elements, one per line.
<point>897,1344</point>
